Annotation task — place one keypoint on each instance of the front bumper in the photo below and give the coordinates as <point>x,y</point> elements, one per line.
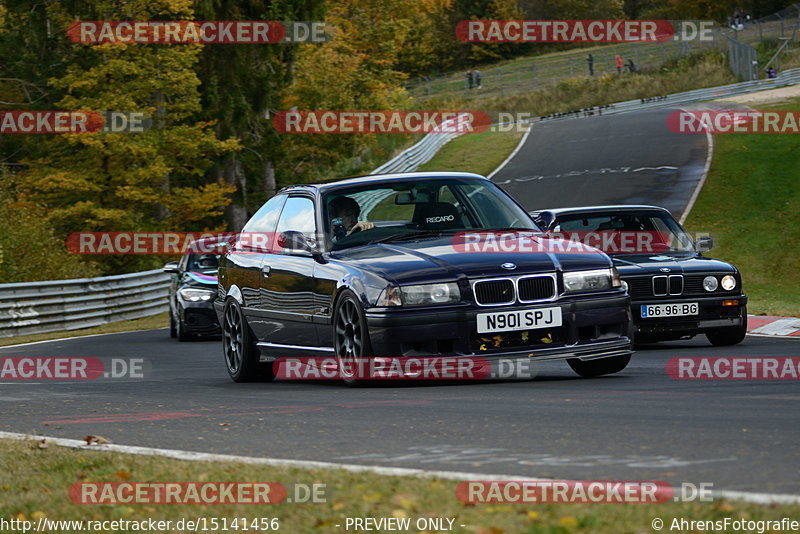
<point>200,318</point>
<point>592,328</point>
<point>713,315</point>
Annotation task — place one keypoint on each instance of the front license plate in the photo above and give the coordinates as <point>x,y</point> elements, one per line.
<point>508,321</point>
<point>670,310</point>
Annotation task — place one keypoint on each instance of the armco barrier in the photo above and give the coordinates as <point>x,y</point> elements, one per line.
<point>38,307</point>
<point>411,158</point>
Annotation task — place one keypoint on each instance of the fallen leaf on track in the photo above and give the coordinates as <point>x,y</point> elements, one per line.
<point>100,440</point>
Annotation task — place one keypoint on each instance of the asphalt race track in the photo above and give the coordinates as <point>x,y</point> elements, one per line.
<point>614,159</point>
<point>637,425</point>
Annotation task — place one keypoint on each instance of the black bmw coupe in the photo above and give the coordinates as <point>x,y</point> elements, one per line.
<point>676,291</point>
<point>375,267</point>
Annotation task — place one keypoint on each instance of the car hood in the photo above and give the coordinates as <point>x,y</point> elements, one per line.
<point>435,259</point>
<point>633,264</point>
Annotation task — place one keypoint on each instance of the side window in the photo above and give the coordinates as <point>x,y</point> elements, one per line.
<point>267,216</point>
<point>298,215</point>
<point>258,235</point>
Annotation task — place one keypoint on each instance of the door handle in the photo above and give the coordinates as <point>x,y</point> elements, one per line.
<point>265,270</point>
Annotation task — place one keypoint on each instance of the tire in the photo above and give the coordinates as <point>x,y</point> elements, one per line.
<point>173,330</point>
<point>604,366</point>
<point>350,337</point>
<point>729,336</point>
<point>239,347</point>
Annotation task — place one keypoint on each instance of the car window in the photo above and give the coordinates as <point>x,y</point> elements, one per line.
<point>298,216</point>
<point>203,262</point>
<point>386,209</point>
<point>409,207</point>
<point>266,217</point>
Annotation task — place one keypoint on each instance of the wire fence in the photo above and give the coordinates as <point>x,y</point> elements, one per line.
<point>781,25</point>
<point>532,73</point>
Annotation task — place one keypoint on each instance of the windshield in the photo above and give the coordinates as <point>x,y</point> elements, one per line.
<point>394,211</point>
<point>625,232</point>
<point>202,262</point>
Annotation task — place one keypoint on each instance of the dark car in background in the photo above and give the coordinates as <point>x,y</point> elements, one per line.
<point>193,289</point>
<point>676,291</point>
<point>367,267</point>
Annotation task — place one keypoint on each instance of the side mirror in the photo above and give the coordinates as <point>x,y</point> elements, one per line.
<point>171,267</point>
<point>704,244</point>
<point>293,240</point>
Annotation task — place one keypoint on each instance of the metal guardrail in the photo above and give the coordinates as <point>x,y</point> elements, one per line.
<point>411,158</point>
<point>785,78</point>
<point>38,307</point>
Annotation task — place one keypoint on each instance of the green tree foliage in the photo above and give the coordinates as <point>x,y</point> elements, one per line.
<point>355,70</point>
<point>130,181</point>
<point>241,88</point>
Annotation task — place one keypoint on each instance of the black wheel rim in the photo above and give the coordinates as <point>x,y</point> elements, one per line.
<point>348,338</point>
<point>232,339</point>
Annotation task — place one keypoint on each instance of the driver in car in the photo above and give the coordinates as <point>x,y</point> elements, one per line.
<point>344,217</point>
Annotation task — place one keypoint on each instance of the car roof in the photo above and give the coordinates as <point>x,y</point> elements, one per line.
<point>601,209</point>
<point>377,179</point>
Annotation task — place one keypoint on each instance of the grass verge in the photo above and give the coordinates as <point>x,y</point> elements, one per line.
<point>145,323</point>
<point>481,152</point>
<point>750,204</point>
<point>35,484</point>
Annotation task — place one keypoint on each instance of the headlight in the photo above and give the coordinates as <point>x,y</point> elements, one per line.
<point>430,294</point>
<point>595,280</point>
<point>710,283</point>
<point>196,295</point>
<point>728,282</point>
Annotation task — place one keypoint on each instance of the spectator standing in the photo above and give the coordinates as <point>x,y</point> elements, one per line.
<point>478,78</point>
<point>469,79</point>
<point>631,66</point>
<point>619,63</point>
<point>590,63</point>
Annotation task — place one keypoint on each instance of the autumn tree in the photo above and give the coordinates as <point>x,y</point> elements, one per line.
<point>355,70</point>
<point>153,180</point>
<point>242,87</point>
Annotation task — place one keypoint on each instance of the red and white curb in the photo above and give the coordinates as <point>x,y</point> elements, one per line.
<point>773,326</point>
